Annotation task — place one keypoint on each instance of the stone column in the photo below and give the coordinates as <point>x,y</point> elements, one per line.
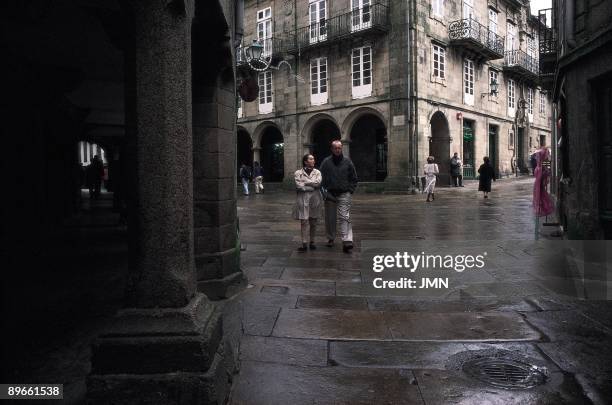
<point>166,347</point>
<point>257,155</point>
<point>214,133</point>
<point>399,163</point>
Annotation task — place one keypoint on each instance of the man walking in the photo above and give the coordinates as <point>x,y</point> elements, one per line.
<point>339,183</point>
<point>456,169</point>
<point>258,175</point>
<point>245,176</point>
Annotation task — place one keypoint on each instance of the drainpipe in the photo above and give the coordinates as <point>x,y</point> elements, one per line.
<point>569,24</point>
<point>238,22</point>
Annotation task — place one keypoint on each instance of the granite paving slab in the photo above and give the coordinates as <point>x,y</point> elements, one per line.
<point>332,302</point>
<point>286,351</point>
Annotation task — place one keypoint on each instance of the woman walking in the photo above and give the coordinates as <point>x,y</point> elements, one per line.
<point>308,203</point>
<point>487,173</point>
<point>430,170</point>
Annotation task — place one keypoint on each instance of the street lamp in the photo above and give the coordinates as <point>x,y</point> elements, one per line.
<point>254,56</point>
<point>493,88</point>
<point>519,117</point>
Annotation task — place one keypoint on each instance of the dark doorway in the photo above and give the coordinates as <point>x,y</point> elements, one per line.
<point>439,147</point>
<point>244,149</point>
<point>272,154</point>
<point>520,151</point>
<point>469,155</point>
<point>369,148</point>
<point>322,135</point>
<point>603,106</point>
<point>493,147</point>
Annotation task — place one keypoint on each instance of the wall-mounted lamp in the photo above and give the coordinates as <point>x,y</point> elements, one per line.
<point>493,89</point>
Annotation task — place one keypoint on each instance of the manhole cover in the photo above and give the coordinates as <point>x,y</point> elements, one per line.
<point>505,373</point>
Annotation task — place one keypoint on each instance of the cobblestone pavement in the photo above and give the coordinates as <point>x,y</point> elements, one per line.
<point>312,334</point>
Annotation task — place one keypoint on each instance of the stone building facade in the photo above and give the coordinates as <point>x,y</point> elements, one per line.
<point>576,55</point>
<point>428,67</point>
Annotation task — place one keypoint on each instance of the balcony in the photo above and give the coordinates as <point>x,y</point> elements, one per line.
<point>548,48</point>
<point>369,20</point>
<point>522,66</point>
<point>471,35</point>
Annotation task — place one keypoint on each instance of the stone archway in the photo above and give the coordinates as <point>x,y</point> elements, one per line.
<point>244,148</point>
<point>439,146</point>
<point>272,154</point>
<point>369,147</point>
<point>322,134</point>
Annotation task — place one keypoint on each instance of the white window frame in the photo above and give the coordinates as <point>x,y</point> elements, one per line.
<point>468,9</point>
<point>492,26</point>
<point>530,103</point>
<point>437,8</point>
<point>319,81</point>
<point>438,57</point>
<point>511,97</point>
<point>266,92</point>
<point>364,74</point>
<point>318,24</point>
<point>510,37</point>
<point>264,30</point>
<point>542,103</point>
<point>468,81</point>
<point>361,14</point>
<point>239,111</point>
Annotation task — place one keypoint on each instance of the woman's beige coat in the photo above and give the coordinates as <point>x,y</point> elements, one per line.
<point>309,201</point>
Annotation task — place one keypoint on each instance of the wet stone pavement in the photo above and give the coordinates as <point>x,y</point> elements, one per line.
<point>312,334</point>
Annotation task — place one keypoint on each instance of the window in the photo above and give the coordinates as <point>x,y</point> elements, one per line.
<point>468,82</point>
<point>511,100</point>
<point>492,28</point>
<point>542,103</point>
<point>438,61</point>
<point>318,20</point>
<point>264,30</point>
<point>510,37</point>
<point>362,72</point>
<point>360,15</point>
<point>468,9</point>
<point>493,78</point>
<point>493,21</point>
<point>265,92</point>
<point>239,107</point>
<point>318,81</point>
<point>531,47</point>
<point>530,103</point>
<point>437,7</point>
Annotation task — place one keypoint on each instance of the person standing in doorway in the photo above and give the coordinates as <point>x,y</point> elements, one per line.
<point>339,182</point>
<point>456,168</point>
<point>258,175</point>
<point>487,173</point>
<point>245,177</point>
<point>95,173</point>
<point>430,169</point>
<point>308,203</point>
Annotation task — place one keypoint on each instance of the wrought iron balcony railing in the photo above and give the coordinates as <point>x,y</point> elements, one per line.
<point>547,32</point>
<point>477,37</point>
<point>358,20</point>
<point>519,60</point>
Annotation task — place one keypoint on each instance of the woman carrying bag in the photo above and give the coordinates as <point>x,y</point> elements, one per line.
<point>308,201</point>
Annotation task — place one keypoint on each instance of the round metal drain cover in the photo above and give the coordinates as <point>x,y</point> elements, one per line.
<point>505,373</point>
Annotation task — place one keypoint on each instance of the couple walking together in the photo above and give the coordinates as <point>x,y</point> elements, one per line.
<point>334,184</point>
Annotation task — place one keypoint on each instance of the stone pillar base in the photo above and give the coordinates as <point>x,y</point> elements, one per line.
<point>162,356</point>
<point>398,184</point>
<point>226,287</point>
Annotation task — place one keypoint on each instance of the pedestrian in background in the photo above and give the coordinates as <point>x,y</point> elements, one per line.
<point>245,177</point>
<point>456,170</point>
<point>430,169</point>
<point>487,173</point>
<point>307,207</point>
<point>258,175</point>
<point>339,182</point>
<point>95,174</point>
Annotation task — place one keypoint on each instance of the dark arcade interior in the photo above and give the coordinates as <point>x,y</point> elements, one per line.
<point>70,262</point>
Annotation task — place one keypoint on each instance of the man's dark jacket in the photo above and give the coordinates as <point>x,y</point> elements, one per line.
<point>338,176</point>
